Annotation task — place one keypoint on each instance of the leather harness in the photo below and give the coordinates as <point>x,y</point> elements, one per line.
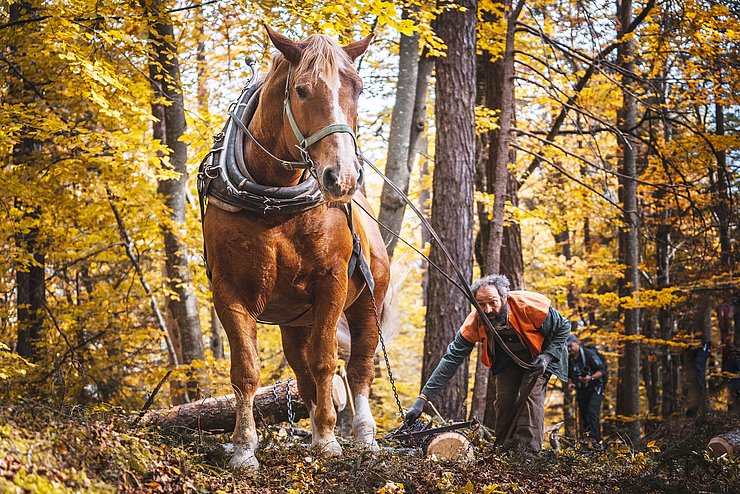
<point>224,180</point>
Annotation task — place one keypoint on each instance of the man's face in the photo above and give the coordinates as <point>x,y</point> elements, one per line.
<point>573,349</point>
<point>490,301</point>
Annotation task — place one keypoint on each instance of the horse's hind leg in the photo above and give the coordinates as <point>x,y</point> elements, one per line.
<point>241,329</point>
<point>295,347</point>
<point>360,368</point>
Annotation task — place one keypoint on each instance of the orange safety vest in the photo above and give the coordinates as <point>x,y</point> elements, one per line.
<point>527,313</point>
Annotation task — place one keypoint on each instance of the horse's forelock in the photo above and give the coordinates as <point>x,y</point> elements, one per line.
<point>322,55</point>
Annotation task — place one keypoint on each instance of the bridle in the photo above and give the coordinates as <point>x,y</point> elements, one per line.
<point>303,142</point>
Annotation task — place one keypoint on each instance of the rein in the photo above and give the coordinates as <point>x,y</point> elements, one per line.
<point>463,285</point>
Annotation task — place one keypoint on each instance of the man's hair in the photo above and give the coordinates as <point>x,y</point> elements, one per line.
<point>499,281</point>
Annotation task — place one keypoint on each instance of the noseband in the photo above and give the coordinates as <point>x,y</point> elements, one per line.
<point>305,142</point>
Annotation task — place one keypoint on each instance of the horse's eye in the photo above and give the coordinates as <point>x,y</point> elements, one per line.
<point>301,91</point>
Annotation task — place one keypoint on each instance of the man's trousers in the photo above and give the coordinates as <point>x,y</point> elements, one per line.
<point>530,427</point>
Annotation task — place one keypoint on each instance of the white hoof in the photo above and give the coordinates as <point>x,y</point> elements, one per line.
<point>364,433</point>
<point>328,449</point>
<point>363,425</point>
<point>244,460</point>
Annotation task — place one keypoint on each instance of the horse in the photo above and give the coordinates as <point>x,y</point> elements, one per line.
<point>292,268</point>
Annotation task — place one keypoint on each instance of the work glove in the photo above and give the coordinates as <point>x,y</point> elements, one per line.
<point>540,363</point>
<point>415,411</point>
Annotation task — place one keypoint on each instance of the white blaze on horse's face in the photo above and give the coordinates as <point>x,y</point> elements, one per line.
<point>337,164</point>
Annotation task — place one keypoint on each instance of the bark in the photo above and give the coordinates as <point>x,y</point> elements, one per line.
<point>663,240</point>
<point>217,414</point>
<point>417,137</point>
<point>29,277</point>
<point>500,95</point>
<point>398,163</point>
<point>164,71</point>
<point>452,201</point>
<point>723,204</point>
<point>503,246</point>
<point>201,63</point>
<point>512,262</point>
<point>628,395</point>
<point>725,444</point>
<point>650,368</point>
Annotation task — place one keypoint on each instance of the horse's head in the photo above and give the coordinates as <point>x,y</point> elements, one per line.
<point>321,92</point>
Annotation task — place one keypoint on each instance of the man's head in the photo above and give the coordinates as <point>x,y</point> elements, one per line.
<point>491,292</point>
<point>573,345</point>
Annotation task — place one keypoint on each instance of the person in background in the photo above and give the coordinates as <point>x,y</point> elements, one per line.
<point>587,375</point>
<point>532,330</point>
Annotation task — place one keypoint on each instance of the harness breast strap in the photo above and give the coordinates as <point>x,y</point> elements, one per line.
<point>357,260</point>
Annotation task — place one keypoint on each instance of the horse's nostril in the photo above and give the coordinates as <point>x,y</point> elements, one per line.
<point>330,178</point>
<point>360,176</point>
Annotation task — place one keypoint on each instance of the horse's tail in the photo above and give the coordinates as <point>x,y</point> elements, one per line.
<point>390,320</point>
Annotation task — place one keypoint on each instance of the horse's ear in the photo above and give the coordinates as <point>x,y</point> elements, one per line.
<point>289,48</point>
<point>354,50</point>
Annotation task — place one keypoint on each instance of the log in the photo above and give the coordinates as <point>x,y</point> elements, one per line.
<point>450,446</point>
<point>727,443</point>
<point>217,414</point>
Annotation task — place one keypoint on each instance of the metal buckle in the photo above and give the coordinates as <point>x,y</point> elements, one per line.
<point>218,137</point>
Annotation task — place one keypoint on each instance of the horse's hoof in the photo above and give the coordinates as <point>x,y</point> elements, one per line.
<point>364,433</point>
<point>327,450</point>
<point>244,461</point>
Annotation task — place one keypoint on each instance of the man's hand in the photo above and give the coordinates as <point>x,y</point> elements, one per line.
<point>415,411</point>
<point>540,363</point>
<point>586,379</point>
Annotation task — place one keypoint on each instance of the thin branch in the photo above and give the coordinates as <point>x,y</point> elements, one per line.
<point>152,299</point>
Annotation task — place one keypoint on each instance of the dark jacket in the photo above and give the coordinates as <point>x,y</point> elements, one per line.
<point>588,362</point>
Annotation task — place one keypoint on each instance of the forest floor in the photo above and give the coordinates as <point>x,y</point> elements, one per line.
<point>99,450</point>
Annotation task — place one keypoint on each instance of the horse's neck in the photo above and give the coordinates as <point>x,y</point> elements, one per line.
<point>267,127</point>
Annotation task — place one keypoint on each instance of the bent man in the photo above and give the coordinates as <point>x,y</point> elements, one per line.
<point>532,330</point>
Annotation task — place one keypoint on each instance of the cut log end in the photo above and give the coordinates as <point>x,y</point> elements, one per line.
<point>451,446</point>
<point>725,444</point>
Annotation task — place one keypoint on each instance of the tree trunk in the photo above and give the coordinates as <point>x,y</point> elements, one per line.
<point>30,275</point>
<point>217,414</point>
<point>723,204</point>
<point>165,76</point>
<point>399,161</point>
<point>628,395</point>
<point>725,444</point>
<point>500,96</point>
<point>500,256</point>
<point>512,262</point>
<point>452,201</point>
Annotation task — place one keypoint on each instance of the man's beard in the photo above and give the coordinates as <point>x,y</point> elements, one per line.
<point>500,318</point>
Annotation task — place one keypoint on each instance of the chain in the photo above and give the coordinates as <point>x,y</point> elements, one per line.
<point>385,355</point>
<point>291,415</point>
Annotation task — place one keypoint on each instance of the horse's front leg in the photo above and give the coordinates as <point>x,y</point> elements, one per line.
<point>322,358</point>
<point>241,329</point>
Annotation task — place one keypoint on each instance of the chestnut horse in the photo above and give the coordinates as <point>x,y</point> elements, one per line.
<point>294,267</point>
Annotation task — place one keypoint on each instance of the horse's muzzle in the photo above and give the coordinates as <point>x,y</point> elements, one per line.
<point>341,186</point>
